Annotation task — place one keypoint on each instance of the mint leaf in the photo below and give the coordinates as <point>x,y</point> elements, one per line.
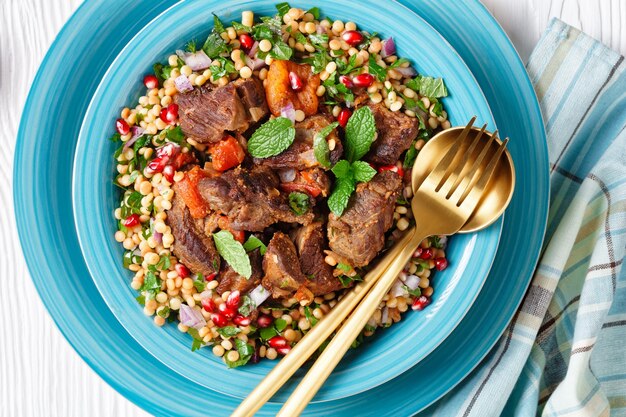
<point>315,11</point>
<point>363,172</point>
<point>360,133</point>
<point>398,62</point>
<point>283,8</point>
<point>197,340</point>
<point>318,38</point>
<point>309,316</point>
<point>376,70</point>
<point>280,324</point>
<point>253,243</point>
<point>267,333</point>
<point>338,200</point>
<point>320,146</point>
<point>344,267</point>
<point>245,353</point>
<point>416,292</point>
<point>272,138</point>
<point>410,156</point>
<point>218,26</point>
<point>247,306</point>
<point>342,169</point>
<point>281,51</point>
<point>414,83</point>
<point>228,331</point>
<point>299,203</point>
<point>240,27</point>
<point>233,252</point>
<point>438,108</point>
<point>433,87</point>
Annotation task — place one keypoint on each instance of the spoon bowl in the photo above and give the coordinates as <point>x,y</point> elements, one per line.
<point>499,189</point>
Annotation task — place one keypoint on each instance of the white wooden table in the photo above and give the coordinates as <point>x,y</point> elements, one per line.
<point>40,374</point>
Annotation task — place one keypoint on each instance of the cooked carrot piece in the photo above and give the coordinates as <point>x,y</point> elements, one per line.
<point>227,154</point>
<point>188,190</point>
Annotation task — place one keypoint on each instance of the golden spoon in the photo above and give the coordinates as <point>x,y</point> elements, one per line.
<point>319,333</point>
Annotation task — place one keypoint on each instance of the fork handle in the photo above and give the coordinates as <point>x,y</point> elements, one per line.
<point>351,328</point>
<point>314,338</point>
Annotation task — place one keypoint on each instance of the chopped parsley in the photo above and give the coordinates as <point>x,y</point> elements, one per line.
<point>299,203</point>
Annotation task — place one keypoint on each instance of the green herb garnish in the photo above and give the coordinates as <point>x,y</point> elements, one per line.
<point>233,253</point>
<point>253,243</point>
<point>360,133</point>
<point>320,146</point>
<point>228,331</point>
<point>272,138</point>
<point>299,203</point>
<point>245,353</point>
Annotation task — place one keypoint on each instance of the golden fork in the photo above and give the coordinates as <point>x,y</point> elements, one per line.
<point>447,197</point>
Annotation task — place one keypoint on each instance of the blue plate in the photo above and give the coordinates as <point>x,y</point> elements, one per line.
<point>95,199</point>
<point>42,186</point>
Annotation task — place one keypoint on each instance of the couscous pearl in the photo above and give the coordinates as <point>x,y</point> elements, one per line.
<point>290,335</point>
<point>300,115</point>
<point>271,353</point>
<point>424,282</point>
<point>331,67</point>
<point>320,91</point>
<point>433,123</point>
<point>128,244</point>
<point>330,260</point>
<point>185,70</point>
<point>232,35</point>
<point>145,187</point>
<point>120,236</point>
<point>331,144</point>
<point>247,18</point>
<point>227,344</point>
<point>428,291</point>
<point>188,283</point>
<point>446,125</point>
<point>182,328</point>
<point>269,60</point>
<point>218,350</point>
<point>338,26</point>
<point>334,44</point>
<point>159,321</point>
<point>245,72</point>
<point>148,312</point>
<point>376,98</point>
<point>309,27</point>
<point>161,297</point>
<point>151,258</point>
<point>336,111</point>
<point>175,304</point>
<point>265,45</point>
<point>350,26</point>
<point>212,285</point>
<point>304,324</point>
<point>395,106</point>
<point>402,224</point>
<point>172,60</point>
<point>135,285</point>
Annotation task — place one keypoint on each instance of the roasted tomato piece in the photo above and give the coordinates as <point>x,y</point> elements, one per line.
<point>227,154</point>
<point>279,91</point>
<point>188,190</point>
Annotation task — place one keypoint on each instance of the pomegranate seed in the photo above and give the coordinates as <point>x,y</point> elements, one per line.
<point>343,117</point>
<point>427,253</point>
<point>240,320</point>
<point>417,253</point>
<point>181,270</point>
<point>393,168</point>
<point>264,321</point>
<point>295,81</point>
<point>156,165</point>
<point>168,173</point>
<point>167,151</point>
<point>208,305</point>
<point>131,221</point>
<point>246,41</point>
<point>122,127</point>
<point>169,114</point>
<point>283,350</point>
<point>441,263</point>
<point>420,303</point>
<point>233,300</point>
<point>227,312</point>
<point>219,319</point>
<point>151,81</point>
<point>345,80</point>
<point>210,277</point>
<point>352,37</point>
<point>278,342</point>
<point>363,80</point>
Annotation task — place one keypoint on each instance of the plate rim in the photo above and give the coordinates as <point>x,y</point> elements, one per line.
<point>90,255</point>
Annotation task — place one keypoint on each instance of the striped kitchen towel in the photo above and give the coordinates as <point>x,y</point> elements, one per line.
<point>564,354</point>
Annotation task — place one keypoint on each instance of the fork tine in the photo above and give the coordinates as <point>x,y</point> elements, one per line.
<point>464,166</point>
<point>447,160</point>
<point>478,183</point>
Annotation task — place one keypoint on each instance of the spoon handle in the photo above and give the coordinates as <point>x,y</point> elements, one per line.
<point>315,337</point>
<point>351,328</point>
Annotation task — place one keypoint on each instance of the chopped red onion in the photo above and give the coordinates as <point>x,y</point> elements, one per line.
<point>308,157</point>
<point>258,295</point>
<point>385,316</point>
<point>389,48</point>
<point>412,282</point>
<point>289,112</point>
<point>349,104</point>
<point>158,237</point>
<point>183,84</point>
<point>191,317</point>
<point>406,72</point>
<point>399,289</point>
<point>196,61</point>
<point>253,49</point>
<point>287,175</point>
<point>137,131</point>
<point>254,63</point>
<point>321,29</point>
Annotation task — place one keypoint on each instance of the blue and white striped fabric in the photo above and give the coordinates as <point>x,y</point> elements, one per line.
<point>564,354</point>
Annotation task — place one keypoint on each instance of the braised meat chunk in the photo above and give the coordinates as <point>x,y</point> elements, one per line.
<point>193,246</point>
<point>359,234</point>
<point>208,111</point>
<point>232,281</point>
<point>396,132</point>
<point>311,242</point>
<point>250,199</point>
<point>283,275</point>
<point>300,154</point>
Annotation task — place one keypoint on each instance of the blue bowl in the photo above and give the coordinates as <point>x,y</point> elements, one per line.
<point>387,354</point>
